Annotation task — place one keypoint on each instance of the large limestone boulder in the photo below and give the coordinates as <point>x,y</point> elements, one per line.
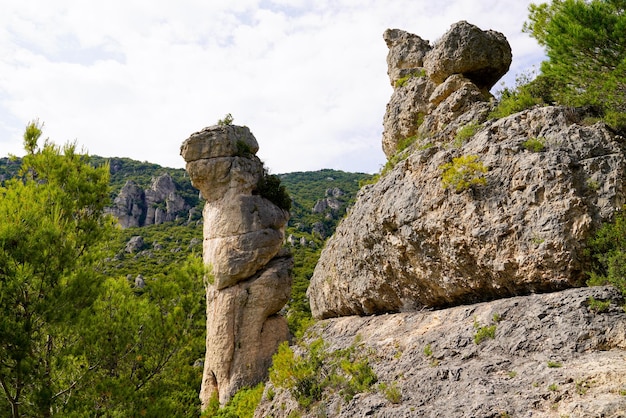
<point>408,243</point>
<point>481,56</point>
<point>435,86</point>
<point>250,276</point>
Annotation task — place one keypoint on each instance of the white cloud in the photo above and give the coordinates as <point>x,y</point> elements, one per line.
<point>136,78</point>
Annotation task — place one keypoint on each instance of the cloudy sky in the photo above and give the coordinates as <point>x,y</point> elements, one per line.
<point>135,78</point>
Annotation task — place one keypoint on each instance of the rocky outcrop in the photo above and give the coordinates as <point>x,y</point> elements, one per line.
<point>551,355</point>
<point>410,242</point>
<point>250,280</point>
<point>134,206</point>
<point>435,85</point>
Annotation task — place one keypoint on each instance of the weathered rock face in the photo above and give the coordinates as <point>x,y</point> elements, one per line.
<point>435,85</point>
<point>551,356</point>
<point>250,281</point>
<point>481,56</point>
<point>134,206</point>
<point>410,243</point>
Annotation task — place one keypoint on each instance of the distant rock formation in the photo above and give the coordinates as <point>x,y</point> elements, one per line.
<point>243,237</point>
<point>409,243</point>
<point>134,206</point>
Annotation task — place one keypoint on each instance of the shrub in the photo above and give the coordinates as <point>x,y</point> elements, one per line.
<point>608,253</point>
<point>347,371</point>
<point>228,120</point>
<point>270,188</point>
<point>534,144</point>
<point>530,90</point>
<point>242,405</point>
<point>243,149</point>
<point>598,306</point>
<point>462,173</point>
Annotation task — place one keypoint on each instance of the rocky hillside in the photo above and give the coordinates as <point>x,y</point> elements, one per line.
<point>548,355</point>
<point>488,218</point>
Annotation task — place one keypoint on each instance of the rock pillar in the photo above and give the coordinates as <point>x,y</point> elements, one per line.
<point>250,273</point>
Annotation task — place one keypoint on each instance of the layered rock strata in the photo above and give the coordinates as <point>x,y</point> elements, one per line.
<point>250,276</point>
<point>411,243</point>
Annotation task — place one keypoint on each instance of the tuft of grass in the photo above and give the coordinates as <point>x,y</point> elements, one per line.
<point>465,133</point>
<point>553,387</point>
<point>535,144</point>
<point>428,351</point>
<point>483,332</point>
<point>403,80</point>
<point>554,364</point>
<point>593,185</point>
<point>391,392</point>
<point>598,306</point>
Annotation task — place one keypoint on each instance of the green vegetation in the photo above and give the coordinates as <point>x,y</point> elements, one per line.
<point>483,332</point>
<point>228,120</point>
<point>242,405</point>
<point>608,254</point>
<point>465,133</point>
<point>586,49</point>
<point>306,376</point>
<point>553,387</point>
<point>76,340</point>
<point>582,386</point>
<point>593,185</point>
<point>462,173</point>
<point>598,306</point>
<point>415,74</point>
<point>428,351</point>
<point>534,144</point>
<point>243,149</point>
<point>391,392</point>
<point>554,364</point>
<point>530,90</point>
<point>586,65</point>
<point>270,188</point>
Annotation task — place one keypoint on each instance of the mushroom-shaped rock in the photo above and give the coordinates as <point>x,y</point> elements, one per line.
<point>481,56</point>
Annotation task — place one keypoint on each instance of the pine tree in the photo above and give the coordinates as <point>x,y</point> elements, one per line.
<point>52,219</point>
<point>585,42</point>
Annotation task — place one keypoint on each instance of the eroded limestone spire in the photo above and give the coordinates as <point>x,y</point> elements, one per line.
<point>243,237</point>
